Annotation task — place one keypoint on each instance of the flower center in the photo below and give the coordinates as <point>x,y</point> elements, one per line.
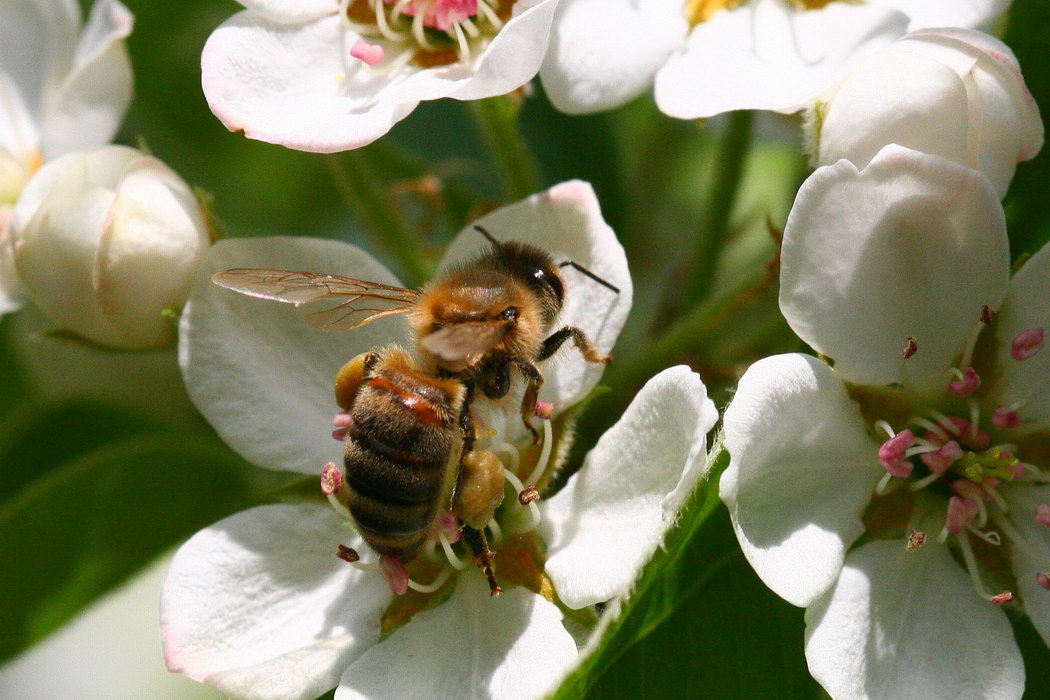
<point>965,455</point>
<point>697,11</point>
<point>426,33</point>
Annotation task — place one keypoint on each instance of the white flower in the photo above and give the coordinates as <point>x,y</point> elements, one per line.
<point>713,56</point>
<point>105,242</point>
<point>955,93</point>
<point>59,92</point>
<point>851,487</point>
<point>331,75</point>
<point>259,604</point>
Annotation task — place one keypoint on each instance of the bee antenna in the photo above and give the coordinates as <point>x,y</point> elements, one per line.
<point>590,274</point>
<point>484,232</point>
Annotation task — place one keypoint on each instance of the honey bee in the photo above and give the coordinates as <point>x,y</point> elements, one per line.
<point>410,445</point>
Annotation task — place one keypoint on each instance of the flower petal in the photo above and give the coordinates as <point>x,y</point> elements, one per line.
<point>907,624</point>
<point>801,473</point>
<point>289,84</point>
<point>471,646</point>
<point>1023,500</point>
<point>292,10</point>
<point>611,516</point>
<point>604,53</point>
<point>566,221</point>
<point>12,293</point>
<point>913,245</point>
<point>1027,306</point>
<point>257,372</point>
<point>259,606</point>
<point>947,13</point>
<point>766,54</point>
<point>89,105</point>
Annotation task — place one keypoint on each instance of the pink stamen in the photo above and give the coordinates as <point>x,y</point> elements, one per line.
<point>940,460</point>
<point>544,410</point>
<point>969,490</point>
<point>371,54</point>
<point>987,315</point>
<point>1003,419</point>
<point>910,348</point>
<point>347,554</point>
<point>449,526</point>
<point>916,539</point>
<point>342,420</point>
<point>1043,580</point>
<point>967,385</point>
<point>1003,598</point>
<point>978,440</point>
<point>961,512</point>
<point>1026,344</point>
<point>528,495</point>
<point>331,479</point>
<point>340,434</point>
<point>891,454</point>
<point>395,573</point>
<point>1042,514</point>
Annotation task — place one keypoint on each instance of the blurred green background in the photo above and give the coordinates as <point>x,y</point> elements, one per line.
<point>104,466</point>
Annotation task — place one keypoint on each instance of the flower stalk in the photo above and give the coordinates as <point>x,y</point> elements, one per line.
<point>497,119</point>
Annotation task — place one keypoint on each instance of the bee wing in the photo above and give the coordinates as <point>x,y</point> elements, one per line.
<point>359,302</point>
<point>464,341</point>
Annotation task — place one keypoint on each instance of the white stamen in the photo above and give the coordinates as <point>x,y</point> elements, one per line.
<point>942,536</point>
<point>885,485</point>
<point>884,426</point>
<point>510,450</point>
<point>1036,472</point>
<point>534,511</point>
<point>470,29</point>
<point>945,422</point>
<point>924,482</point>
<point>339,507</point>
<point>931,426</point>
<point>418,31</point>
<point>920,449</point>
<point>433,585</point>
<point>971,567</point>
<point>1017,539</point>
<point>381,23</point>
<point>999,500</point>
<point>365,566</point>
<point>982,512</point>
<point>455,561</point>
<point>975,418</point>
<point>971,343</point>
<point>497,533</point>
<point>545,454</point>
<point>956,374</point>
<point>490,14</point>
<point>990,537</point>
<point>464,47</point>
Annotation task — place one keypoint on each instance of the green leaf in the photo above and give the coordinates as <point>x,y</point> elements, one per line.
<point>89,525</point>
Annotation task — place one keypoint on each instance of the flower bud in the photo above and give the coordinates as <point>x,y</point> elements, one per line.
<point>105,242</point>
<point>955,93</point>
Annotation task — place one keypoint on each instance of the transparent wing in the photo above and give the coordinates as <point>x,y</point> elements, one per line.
<point>356,302</point>
<point>465,341</point>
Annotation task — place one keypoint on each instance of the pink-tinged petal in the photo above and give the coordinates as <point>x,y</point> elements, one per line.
<point>471,646</point>
<point>259,374</point>
<point>978,14</point>
<point>903,623</point>
<point>802,471</point>
<point>1026,383</point>
<point>766,54</point>
<point>291,11</point>
<point>611,516</point>
<point>295,85</point>
<point>1025,502</point>
<point>259,605</point>
<point>913,245</point>
<point>604,53</point>
<point>87,108</point>
<point>566,221</point>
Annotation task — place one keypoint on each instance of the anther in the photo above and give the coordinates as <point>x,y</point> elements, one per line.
<point>545,452</point>
<point>1043,580</point>
<point>544,410</point>
<point>1003,598</point>
<point>1026,344</point>
<point>448,526</point>
<point>961,512</point>
<point>891,454</point>
<point>348,554</point>
<point>1042,514</point>
<point>916,539</point>
<point>437,583</point>
<point>966,383</point>
<point>987,315</point>
<point>370,54</point>
<point>940,460</point>
<point>910,348</point>
<point>528,495</point>
<point>1003,419</point>
<point>334,487</point>
<point>395,573</point>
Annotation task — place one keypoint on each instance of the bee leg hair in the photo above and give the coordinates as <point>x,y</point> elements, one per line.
<point>479,547</point>
<point>580,340</point>
<point>534,379</point>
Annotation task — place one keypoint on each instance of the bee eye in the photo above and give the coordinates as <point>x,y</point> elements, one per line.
<point>509,314</point>
<point>551,281</point>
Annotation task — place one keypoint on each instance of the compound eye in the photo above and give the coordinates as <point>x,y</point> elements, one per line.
<point>509,314</point>
<point>550,280</point>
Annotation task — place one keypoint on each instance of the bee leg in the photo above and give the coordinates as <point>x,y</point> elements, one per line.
<point>466,422</point>
<point>580,340</point>
<point>534,379</point>
<point>479,547</point>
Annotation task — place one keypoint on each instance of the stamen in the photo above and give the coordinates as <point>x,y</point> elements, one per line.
<point>966,382</point>
<point>909,349</point>
<point>383,26</point>
<point>884,426</point>
<point>975,577</point>
<point>341,422</point>
<point>545,454</point>
<point>1026,344</point>
<point>930,426</point>
<point>490,14</point>
<point>418,31</point>
<point>370,54</point>
<point>991,537</point>
<point>348,554</point>
<point>916,539</point>
<point>939,460</point>
<point>1035,472</point>
<point>1042,514</point>
<point>987,315</point>
<point>395,573</point>
<point>891,454</point>
<point>924,482</point>
<point>448,525</point>
<point>952,426</point>
<point>455,561</point>
<point>1018,540</point>
<point>334,487</point>
<point>464,47</point>
<point>534,511</point>
<point>1004,419</point>
<point>470,29</point>
<point>999,500</point>
<point>975,419</point>
<point>971,342</point>
<point>1043,580</point>
<point>961,512</point>
<point>433,585</point>
<point>529,495</point>
<point>497,533</point>
<point>510,450</point>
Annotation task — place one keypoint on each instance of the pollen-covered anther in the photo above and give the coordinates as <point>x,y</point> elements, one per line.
<point>544,410</point>
<point>448,526</point>
<point>1003,418</point>
<point>1042,514</point>
<point>916,539</point>
<point>1026,344</point>
<point>348,554</point>
<point>1003,598</point>
<point>940,460</point>
<point>370,54</point>
<point>528,495</point>
<point>910,348</point>
<point>331,479</point>
<point>341,422</point>
<point>961,512</point>
<point>892,457</point>
<point>966,383</point>
<point>1043,580</point>
<point>395,573</point>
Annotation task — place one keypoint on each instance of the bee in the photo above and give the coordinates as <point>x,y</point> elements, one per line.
<point>410,444</point>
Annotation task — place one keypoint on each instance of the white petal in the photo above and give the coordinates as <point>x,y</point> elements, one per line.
<point>292,10</point>
<point>766,54</point>
<point>907,624</point>
<point>257,372</point>
<point>289,84</point>
<point>566,221</point>
<point>947,13</point>
<point>913,245</point>
<point>1027,306</point>
<point>802,471</point>
<point>604,53</point>
<point>259,606</point>
<point>1023,500</point>
<point>89,105</point>
<point>126,664</point>
<point>37,41</point>
<point>12,293</point>
<point>604,525</point>
<point>471,646</point>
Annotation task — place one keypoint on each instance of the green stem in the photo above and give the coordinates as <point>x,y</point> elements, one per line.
<point>355,179</point>
<point>497,118</point>
<point>732,153</point>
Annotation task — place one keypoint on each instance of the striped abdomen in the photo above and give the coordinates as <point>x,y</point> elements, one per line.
<point>399,455</point>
